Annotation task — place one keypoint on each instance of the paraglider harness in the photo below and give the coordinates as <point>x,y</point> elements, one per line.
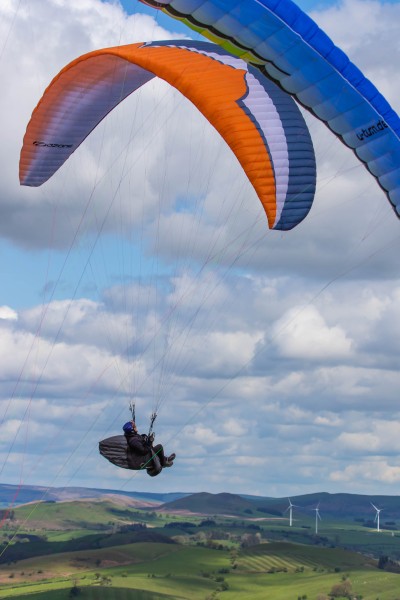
<point>117,451</point>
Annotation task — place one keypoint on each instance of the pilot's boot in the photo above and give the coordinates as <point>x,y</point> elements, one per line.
<point>169,460</point>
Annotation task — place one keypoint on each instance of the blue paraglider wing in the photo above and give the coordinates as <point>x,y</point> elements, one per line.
<point>289,47</point>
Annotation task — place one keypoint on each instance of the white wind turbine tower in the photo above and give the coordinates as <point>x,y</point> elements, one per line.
<point>378,510</point>
<point>317,516</point>
<point>290,509</point>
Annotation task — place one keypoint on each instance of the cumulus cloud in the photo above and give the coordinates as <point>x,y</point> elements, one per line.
<point>372,21</point>
<point>380,438</point>
<point>303,333</point>
<point>258,348</point>
<point>30,59</point>
<point>8,313</point>
<point>375,472</point>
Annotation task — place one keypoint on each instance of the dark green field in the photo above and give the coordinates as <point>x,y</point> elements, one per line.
<point>107,551</point>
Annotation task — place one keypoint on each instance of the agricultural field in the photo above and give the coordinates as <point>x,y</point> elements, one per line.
<point>278,572</point>
<point>104,551</point>
<point>346,535</point>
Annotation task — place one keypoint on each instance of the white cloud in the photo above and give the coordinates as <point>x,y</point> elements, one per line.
<point>381,437</point>
<point>327,421</point>
<point>234,427</point>
<point>302,332</point>
<point>259,347</point>
<point>8,314</point>
<point>254,461</point>
<point>206,436</point>
<point>373,472</point>
<point>76,27</point>
<point>221,353</point>
<point>374,22</point>
<point>10,428</point>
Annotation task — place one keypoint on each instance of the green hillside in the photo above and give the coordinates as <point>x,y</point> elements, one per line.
<point>212,504</point>
<point>98,593</point>
<point>74,514</point>
<point>264,557</point>
<point>24,494</point>
<point>341,506</point>
<point>106,550</point>
<point>278,571</point>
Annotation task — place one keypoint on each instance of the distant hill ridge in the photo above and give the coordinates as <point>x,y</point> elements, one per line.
<point>342,505</point>
<point>17,495</point>
<point>211,504</point>
<point>331,505</point>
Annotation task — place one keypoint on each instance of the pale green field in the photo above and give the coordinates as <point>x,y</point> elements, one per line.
<point>74,513</point>
<point>277,570</point>
<point>190,573</point>
<point>162,568</point>
<point>280,586</point>
<point>99,593</point>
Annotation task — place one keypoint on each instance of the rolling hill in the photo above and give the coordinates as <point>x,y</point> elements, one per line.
<point>16,495</point>
<point>336,506</point>
<point>210,504</point>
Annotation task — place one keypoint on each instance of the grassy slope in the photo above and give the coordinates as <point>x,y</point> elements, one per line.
<point>153,567</point>
<point>282,586</point>
<point>212,504</point>
<point>179,571</point>
<point>98,593</point>
<point>68,514</point>
<point>76,516</point>
<point>291,556</point>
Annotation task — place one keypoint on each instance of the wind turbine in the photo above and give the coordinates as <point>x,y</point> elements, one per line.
<point>290,509</point>
<point>317,516</point>
<point>378,510</point>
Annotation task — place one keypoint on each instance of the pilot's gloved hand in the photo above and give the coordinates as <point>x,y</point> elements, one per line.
<point>146,440</point>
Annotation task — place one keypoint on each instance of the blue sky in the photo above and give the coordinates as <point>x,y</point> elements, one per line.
<point>267,350</point>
